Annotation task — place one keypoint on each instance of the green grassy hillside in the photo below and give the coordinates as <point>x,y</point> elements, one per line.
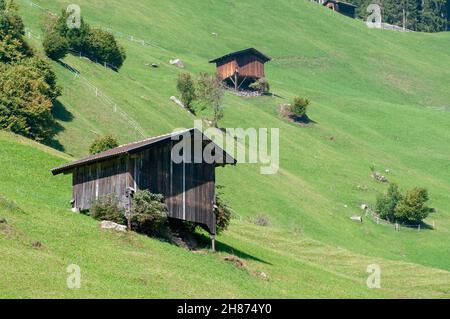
<point>382,96</point>
<point>129,265</point>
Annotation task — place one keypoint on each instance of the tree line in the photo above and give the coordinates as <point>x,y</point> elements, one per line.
<point>28,88</point>
<point>416,15</point>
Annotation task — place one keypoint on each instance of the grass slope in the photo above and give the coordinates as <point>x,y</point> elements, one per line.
<point>382,95</point>
<point>295,265</point>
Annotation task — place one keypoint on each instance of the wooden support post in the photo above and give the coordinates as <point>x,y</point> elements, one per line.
<point>235,81</point>
<point>242,82</point>
<point>213,242</point>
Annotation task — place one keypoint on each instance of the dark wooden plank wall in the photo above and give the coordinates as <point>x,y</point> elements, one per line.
<point>188,188</point>
<point>96,180</point>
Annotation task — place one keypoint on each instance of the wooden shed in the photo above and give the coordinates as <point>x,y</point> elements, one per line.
<point>342,7</point>
<point>188,186</point>
<point>241,68</point>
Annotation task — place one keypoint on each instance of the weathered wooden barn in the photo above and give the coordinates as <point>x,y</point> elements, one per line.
<point>241,68</point>
<point>188,186</point>
<point>342,7</point>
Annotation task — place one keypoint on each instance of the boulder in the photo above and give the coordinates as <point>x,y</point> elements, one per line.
<point>380,177</point>
<point>356,218</point>
<point>364,207</point>
<point>177,63</point>
<point>263,275</point>
<point>177,102</point>
<point>114,226</point>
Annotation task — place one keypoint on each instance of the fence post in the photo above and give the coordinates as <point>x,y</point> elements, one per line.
<point>418,227</point>
<point>378,220</point>
<point>396,227</point>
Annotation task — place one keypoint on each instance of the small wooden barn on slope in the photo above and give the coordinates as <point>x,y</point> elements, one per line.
<point>342,7</point>
<point>241,68</point>
<point>188,186</point>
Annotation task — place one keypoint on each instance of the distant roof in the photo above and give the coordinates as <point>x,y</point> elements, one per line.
<point>340,2</point>
<point>264,57</point>
<point>134,148</point>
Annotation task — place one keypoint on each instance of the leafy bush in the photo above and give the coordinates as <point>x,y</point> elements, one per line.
<point>103,143</point>
<point>55,46</point>
<point>299,107</point>
<point>385,205</point>
<point>77,38</point>
<point>103,46</point>
<point>107,208</point>
<point>408,208</point>
<point>223,214</point>
<point>98,44</point>
<point>186,87</point>
<point>260,85</point>
<point>149,214</point>
<point>261,220</point>
<point>27,93</point>
<point>13,47</point>
<point>210,91</point>
<point>411,208</point>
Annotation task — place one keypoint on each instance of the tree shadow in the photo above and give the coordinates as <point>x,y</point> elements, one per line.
<point>60,114</point>
<point>93,60</point>
<point>68,67</point>
<point>205,242</point>
<point>305,120</point>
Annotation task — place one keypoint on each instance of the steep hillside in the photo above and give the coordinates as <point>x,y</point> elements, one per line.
<point>379,98</point>
<point>142,267</point>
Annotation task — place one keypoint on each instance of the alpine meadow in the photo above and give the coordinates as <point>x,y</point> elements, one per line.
<point>358,110</point>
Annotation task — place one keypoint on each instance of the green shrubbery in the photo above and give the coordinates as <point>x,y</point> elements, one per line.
<point>97,44</point>
<point>27,84</point>
<point>103,46</point>
<point>223,212</point>
<point>107,208</point>
<point>13,47</point>
<point>55,46</point>
<point>103,143</point>
<point>210,92</point>
<point>408,208</point>
<point>299,107</point>
<point>186,87</point>
<point>260,85</point>
<point>149,214</point>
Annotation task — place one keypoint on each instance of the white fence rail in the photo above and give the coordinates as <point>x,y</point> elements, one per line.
<point>98,93</point>
<point>117,33</point>
<point>397,226</point>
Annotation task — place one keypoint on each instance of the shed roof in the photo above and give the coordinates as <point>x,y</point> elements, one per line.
<point>135,148</point>
<point>262,56</point>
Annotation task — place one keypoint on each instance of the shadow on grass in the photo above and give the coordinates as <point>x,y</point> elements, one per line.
<point>68,67</point>
<point>204,242</point>
<point>303,120</point>
<point>60,114</point>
